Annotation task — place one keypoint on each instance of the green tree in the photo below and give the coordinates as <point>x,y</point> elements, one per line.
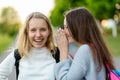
<point>102,9</point>
<point>10,22</point>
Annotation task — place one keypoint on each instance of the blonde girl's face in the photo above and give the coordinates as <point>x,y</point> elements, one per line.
<point>67,32</point>
<point>38,32</point>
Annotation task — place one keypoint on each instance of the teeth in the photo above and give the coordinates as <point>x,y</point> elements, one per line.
<point>38,40</point>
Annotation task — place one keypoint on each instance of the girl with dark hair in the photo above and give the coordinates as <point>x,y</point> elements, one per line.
<point>88,62</point>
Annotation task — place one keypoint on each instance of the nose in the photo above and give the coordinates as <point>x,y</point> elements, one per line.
<point>38,33</point>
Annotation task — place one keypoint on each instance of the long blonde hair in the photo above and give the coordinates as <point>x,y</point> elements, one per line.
<point>23,43</point>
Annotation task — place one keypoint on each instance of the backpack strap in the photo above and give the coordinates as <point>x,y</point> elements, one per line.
<point>56,56</point>
<point>108,67</point>
<point>17,58</point>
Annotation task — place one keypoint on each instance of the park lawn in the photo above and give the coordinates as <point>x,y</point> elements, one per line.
<point>114,44</point>
<point>5,41</point>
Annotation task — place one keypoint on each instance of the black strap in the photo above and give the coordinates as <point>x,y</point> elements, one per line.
<point>57,55</point>
<point>18,57</point>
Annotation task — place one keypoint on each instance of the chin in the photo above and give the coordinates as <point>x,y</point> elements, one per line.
<point>38,46</point>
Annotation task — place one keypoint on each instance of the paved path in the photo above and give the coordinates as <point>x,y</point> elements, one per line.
<point>12,76</point>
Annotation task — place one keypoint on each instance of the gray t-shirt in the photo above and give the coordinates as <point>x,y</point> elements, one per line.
<point>82,66</point>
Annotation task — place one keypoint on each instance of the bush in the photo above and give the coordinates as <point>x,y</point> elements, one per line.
<point>10,29</point>
<point>5,41</point>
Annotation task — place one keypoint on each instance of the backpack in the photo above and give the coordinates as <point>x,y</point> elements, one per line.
<point>18,57</point>
<point>113,74</point>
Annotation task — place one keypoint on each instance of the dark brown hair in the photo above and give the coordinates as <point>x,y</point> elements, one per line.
<point>84,30</point>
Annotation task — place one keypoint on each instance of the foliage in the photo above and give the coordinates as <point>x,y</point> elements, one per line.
<point>5,41</point>
<point>57,14</point>
<point>10,22</point>
<point>102,9</point>
<point>114,44</point>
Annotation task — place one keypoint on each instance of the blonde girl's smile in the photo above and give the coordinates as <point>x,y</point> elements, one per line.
<point>38,32</point>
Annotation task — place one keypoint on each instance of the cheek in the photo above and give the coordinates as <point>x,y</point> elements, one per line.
<point>67,33</point>
<point>70,39</point>
<point>30,35</point>
<point>47,34</point>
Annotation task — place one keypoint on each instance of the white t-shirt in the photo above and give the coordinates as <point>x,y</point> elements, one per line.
<point>38,65</point>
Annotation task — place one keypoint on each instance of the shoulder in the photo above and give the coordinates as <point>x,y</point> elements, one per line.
<point>9,58</point>
<point>83,52</point>
<point>84,48</point>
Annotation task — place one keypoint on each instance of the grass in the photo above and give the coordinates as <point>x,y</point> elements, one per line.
<point>114,44</point>
<point>5,41</point>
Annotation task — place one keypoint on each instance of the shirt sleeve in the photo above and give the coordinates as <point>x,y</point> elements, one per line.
<point>74,69</point>
<point>6,66</point>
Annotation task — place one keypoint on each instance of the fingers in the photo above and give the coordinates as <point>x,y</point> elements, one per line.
<point>60,30</point>
<point>61,37</point>
<point>61,33</point>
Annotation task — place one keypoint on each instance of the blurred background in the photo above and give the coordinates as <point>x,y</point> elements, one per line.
<point>14,12</point>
